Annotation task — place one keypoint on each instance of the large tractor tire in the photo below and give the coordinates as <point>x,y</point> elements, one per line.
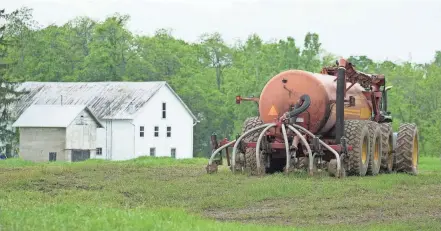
<point>250,164</point>
<point>387,160</point>
<point>407,150</point>
<point>357,134</point>
<point>376,151</point>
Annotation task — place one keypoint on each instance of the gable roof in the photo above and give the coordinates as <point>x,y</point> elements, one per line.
<point>51,116</point>
<point>107,100</point>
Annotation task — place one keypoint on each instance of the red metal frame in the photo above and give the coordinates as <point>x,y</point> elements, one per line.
<point>215,145</point>
<point>281,146</point>
<point>277,146</point>
<point>239,99</point>
<point>353,76</point>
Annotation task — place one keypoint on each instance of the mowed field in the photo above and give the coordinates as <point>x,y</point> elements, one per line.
<point>168,194</point>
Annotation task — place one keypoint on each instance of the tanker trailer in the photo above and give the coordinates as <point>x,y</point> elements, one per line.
<point>335,120</point>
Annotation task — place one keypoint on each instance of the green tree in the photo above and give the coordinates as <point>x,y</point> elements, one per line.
<point>216,55</point>
<point>8,93</point>
<point>111,49</point>
<point>23,52</point>
<point>310,52</point>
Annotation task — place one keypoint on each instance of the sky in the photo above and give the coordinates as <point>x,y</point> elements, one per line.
<point>396,30</point>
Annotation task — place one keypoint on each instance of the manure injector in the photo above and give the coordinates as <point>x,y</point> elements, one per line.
<point>336,120</point>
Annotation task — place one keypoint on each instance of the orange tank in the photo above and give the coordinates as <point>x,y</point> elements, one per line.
<point>286,88</point>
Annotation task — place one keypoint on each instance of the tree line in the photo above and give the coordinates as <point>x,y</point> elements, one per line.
<point>207,74</point>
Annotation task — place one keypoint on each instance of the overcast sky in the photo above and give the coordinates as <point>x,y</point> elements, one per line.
<point>386,29</point>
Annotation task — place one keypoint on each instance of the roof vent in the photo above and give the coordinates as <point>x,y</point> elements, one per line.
<point>131,108</point>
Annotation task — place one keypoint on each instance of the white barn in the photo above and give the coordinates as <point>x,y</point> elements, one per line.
<point>57,132</point>
<point>139,118</point>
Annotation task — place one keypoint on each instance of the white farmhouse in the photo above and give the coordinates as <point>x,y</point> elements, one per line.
<point>138,118</point>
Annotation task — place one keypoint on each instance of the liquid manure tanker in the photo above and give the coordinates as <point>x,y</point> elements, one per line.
<point>336,120</point>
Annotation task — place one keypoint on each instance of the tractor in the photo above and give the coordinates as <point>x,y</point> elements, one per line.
<point>336,120</point>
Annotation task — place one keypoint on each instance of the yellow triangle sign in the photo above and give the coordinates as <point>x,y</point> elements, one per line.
<point>273,111</point>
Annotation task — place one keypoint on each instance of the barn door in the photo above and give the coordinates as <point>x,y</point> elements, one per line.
<point>80,155</point>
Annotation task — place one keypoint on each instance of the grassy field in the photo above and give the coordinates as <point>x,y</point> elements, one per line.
<point>167,194</point>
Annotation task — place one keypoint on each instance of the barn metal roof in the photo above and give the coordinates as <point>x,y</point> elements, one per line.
<point>107,100</point>
<point>51,116</point>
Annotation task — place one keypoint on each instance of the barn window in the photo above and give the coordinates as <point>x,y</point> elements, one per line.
<point>173,152</point>
<point>163,111</point>
<point>80,121</point>
<point>152,151</point>
<point>141,131</point>
<point>168,131</point>
<point>99,151</point>
<point>156,131</point>
<point>52,156</point>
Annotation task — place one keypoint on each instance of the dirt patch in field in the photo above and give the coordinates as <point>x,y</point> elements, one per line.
<point>59,181</point>
<point>299,213</point>
<point>268,211</point>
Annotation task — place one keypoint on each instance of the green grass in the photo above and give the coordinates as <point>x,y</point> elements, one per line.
<point>167,194</point>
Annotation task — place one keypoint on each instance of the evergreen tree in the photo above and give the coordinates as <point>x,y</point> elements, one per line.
<point>8,95</point>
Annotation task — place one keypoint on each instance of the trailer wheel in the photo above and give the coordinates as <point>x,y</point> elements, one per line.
<point>302,164</point>
<point>407,154</point>
<point>250,162</point>
<point>387,161</point>
<point>250,153</point>
<point>357,133</point>
<point>376,152</point>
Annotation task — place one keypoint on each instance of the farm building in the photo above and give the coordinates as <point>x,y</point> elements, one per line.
<point>138,118</point>
<point>57,132</point>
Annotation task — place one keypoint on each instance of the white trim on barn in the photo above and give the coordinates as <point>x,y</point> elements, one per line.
<point>122,108</point>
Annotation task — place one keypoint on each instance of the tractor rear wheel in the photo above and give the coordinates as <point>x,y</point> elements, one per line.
<point>357,134</point>
<point>376,148</point>
<point>387,160</point>
<point>407,154</point>
<point>250,153</point>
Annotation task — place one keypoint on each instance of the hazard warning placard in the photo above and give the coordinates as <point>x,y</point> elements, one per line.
<point>273,111</point>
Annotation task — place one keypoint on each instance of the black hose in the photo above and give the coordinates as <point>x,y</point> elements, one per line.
<point>340,105</point>
<point>300,109</point>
